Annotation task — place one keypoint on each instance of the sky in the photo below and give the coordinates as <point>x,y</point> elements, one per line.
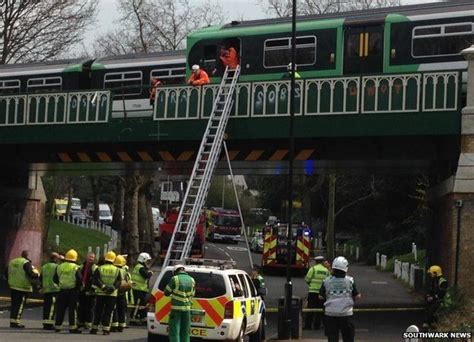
<point>235,9</point>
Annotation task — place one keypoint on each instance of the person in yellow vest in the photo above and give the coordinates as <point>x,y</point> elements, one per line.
<point>315,278</point>
<point>140,278</point>
<point>86,295</point>
<point>437,294</point>
<point>107,280</point>
<point>20,275</point>
<point>68,277</point>
<point>119,321</point>
<point>50,290</point>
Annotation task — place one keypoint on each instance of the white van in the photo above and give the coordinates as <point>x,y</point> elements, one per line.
<point>75,203</point>
<point>105,215</point>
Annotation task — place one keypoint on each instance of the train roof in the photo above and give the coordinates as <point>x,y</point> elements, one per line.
<point>332,19</point>
<point>49,67</point>
<point>139,59</point>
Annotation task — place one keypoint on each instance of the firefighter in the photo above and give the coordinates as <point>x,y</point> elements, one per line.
<point>436,296</point>
<point>339,292</point>
<point>140,278</point>
<point>229,57</point>
<point>107,280</point>
<point>87,295</point>
<point>287,75</point>
<point>153,86</point>
<point>198,77</point>
<point>181,289</point>
<point>20,274</point>
<point>314,278</point>
<point>50,290</point>
<point>119,321</point>
<point>68,277</point>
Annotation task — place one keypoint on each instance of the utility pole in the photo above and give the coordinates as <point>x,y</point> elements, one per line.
<point>331,218</point>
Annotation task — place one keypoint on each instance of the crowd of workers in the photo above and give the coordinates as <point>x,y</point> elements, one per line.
<point>93,293</point>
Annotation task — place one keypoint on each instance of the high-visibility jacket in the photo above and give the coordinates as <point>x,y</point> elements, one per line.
<point>230,58</point>
<point>339,301</point>
<point>67,275</point>
<point>181,289</point>
<point>139,282</point>
<point>315,277</point>
<point>47,274</point>
<point>199,79</point>
<point>17,278</point>
<point>108,274</point>
<point>126,277</point>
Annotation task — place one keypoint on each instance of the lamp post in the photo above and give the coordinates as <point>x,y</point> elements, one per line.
<point>291,155</point>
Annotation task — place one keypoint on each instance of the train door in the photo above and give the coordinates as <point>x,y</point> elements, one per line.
<point>363,49</point>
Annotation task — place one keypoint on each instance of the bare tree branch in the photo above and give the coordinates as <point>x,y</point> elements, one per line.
<point>372,193</point>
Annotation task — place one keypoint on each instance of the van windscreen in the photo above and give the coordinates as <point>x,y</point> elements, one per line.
<point>208,285</point>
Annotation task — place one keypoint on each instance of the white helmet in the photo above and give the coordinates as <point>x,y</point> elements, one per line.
<point>144,257</point>
<point>195,67</point>
<point>178,267</point>
<point>340,263</point>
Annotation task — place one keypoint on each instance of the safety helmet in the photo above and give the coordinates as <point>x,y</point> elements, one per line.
<point>178,267</point>
<point>110,256</point>
<point>71,255</point>
<point>435,271</point>
<point>289,67</point>
<point>120,261</point>
<point>144,257</point>
<point>340,263</point>
<point>195,67</point>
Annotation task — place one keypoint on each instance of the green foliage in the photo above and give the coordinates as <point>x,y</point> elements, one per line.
<point>391,248</point>
<point>409,257</point>
<point>72,236</point>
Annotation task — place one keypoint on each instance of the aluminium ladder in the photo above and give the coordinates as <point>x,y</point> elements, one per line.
<point>203,170</point>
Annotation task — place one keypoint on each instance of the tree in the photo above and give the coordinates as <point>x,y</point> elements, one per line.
<point>283,8</point>
<point>160,25</point>
<point>130,232</point>
<point>41,30</point>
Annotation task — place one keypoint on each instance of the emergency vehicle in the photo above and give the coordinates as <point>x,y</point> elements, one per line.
<point>275,247</point>
<point>223,225</point>
<point>166,230</point>
<point>226,305</point>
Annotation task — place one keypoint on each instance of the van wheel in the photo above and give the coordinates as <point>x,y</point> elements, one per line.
<point>259,334</point>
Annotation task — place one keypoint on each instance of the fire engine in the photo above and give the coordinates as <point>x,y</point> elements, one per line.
<point>223,225</point>
<point>275,247</point>
<point>167,229</point>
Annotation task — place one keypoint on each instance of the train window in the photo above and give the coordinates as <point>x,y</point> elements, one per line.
<point>10,87</point>
<point>375,43</point>
<point>353,45</point>
<point>124,83</point>
<point>170,76</point>
<point>44,84</point>
<point>441,40</point>
<point>277,52</point>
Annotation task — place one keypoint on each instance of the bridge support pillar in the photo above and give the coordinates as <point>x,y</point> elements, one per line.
<point>452,239</point>
<point>22,210</point>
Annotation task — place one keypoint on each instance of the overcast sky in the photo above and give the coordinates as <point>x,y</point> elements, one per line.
<point>234,9</point>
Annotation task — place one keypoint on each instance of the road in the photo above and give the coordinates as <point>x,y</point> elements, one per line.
<point>379,326</point>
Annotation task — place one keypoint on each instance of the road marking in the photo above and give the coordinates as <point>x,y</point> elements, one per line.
<point>237,249</point>
<point>227,254</point>
<point>379,282</point>
<point>362,330</point>
<point>221,249</point>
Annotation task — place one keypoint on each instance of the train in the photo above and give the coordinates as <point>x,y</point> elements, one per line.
<point>414,38</point>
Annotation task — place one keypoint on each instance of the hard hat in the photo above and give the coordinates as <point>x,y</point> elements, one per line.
<point>71,255</point>
<point>340,263</point>
<point>289,67</point>
<point>144,257</point>
<point>110,256</point>
<point>120,261</point>
<point>178,267</point>
<point>195,67</point>
<point>435,271</point>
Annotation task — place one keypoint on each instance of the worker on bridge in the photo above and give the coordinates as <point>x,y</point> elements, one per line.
<point>198,76</point>
<point>437,295</point>
<point>140,277</point>
<point>50,290</point>
<point>153,87</point>
<point>68,278</point>
<point>229,57</point>
<point>339,293</point>
<point>20,274</point>
<point>181,288</point>
<point>314,278</point>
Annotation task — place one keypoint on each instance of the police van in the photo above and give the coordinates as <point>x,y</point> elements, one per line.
<point>226,305</point>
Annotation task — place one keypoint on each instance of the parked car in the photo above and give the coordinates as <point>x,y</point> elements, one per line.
<point>77,215</point>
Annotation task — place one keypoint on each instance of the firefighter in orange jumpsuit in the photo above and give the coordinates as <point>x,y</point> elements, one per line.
<point>198,77</point>
<point>153,86</point>
<point>229,57</point>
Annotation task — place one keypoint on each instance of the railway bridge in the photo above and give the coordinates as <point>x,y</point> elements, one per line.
<point>394,123</point>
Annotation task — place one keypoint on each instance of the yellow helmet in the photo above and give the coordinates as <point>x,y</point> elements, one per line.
<point>435,271</point>
<point>71,255</point>
<point>110,256</point>
<point>120,261</point>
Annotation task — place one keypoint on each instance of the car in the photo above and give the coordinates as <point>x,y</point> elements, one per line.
<point>77,215</point>
<point>226,306</point>
<point>256,244</point>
